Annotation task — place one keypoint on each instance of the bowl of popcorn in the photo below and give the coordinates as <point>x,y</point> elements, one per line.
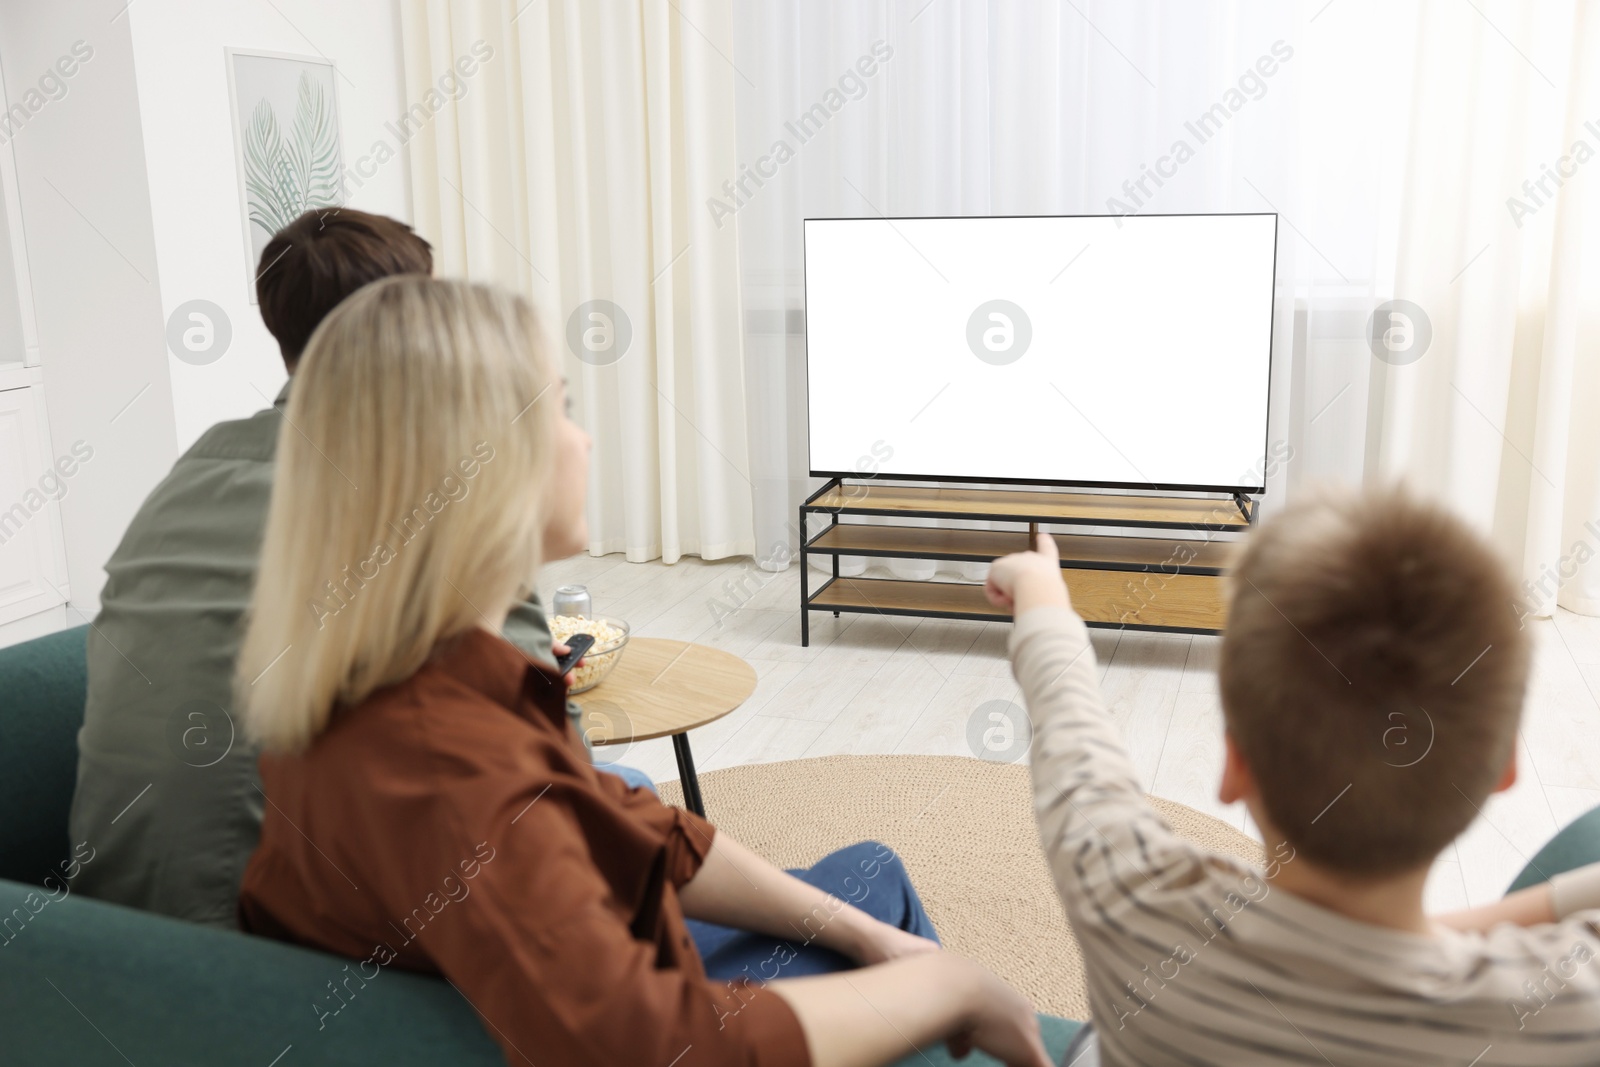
<point>610,635</point>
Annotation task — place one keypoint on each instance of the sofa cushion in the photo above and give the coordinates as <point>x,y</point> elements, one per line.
<point>44,682</point>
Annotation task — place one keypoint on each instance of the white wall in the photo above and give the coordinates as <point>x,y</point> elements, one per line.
<point>13,340</point>
<point>129,199</point>
<point>85,209</point>
<point>194,186</point>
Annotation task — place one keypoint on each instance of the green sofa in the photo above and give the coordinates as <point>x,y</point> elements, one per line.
<point>89,983</point>
<point>1577,844</point>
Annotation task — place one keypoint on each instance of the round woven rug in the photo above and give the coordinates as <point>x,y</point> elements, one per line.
<point>964,829</point>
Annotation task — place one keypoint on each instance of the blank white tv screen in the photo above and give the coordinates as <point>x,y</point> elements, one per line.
<point>1088,350</point>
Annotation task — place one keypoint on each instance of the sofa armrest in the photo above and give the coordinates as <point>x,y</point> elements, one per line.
<point>45,682</point>
<point>90,983</point>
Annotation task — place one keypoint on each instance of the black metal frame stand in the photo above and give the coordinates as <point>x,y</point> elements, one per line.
<point>805,573</point>
<point>686,776</point>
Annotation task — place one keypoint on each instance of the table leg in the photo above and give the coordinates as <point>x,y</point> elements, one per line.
<point>686,776</point>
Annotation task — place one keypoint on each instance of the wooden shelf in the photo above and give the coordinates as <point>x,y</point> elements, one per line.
<point>1086,551</point>
<point>894,597</point>
<point>1181,602</point>
<point>1092,509</point>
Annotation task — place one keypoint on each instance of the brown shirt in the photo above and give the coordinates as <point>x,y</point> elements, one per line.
<point>454,824</point>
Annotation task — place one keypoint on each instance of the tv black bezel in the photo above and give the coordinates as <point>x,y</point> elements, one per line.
<point>1066,483</point>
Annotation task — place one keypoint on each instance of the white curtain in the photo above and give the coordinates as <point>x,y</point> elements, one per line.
<point>1499,414</point>
<point>566,155</point>
<point>1388,135</point>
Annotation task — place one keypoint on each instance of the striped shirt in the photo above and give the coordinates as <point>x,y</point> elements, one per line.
<point>1195,958</point>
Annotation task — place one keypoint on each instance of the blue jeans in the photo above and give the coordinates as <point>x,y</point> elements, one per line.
<point>867,875</point>
<point>632,776</point>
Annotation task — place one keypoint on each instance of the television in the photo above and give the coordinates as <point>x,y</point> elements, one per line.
<point>1100,351</point>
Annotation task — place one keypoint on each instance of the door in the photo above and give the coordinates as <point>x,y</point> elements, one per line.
<point>33,573</point>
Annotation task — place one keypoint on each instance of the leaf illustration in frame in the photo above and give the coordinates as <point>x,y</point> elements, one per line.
<point>264,160</point>
<point>316,147</point>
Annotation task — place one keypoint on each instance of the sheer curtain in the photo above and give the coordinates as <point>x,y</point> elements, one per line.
<point>1500,245</point>
<point>562,151</point>
<point>1388,136</point>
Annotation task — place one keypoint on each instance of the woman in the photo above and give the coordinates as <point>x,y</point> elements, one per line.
<point>430,805</point>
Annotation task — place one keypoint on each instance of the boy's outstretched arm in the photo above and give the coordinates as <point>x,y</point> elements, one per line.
<point>1094,821</point>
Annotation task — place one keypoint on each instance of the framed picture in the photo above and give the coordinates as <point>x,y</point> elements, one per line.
<point>286,142</point>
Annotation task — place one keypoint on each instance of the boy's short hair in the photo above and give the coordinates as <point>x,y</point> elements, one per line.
<point>312,264</point>
<point>1373,672</point>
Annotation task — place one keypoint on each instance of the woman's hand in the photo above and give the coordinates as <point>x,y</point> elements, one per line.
<point>878,942</point>
<point>1025,580</point>
<point>559,649</point>
<point>923,999</point>
<point>735,887</point>
<point>1533,906</point>
<point>1002,1023</point>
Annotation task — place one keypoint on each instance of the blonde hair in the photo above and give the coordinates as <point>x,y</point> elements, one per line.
<point>408,499</point>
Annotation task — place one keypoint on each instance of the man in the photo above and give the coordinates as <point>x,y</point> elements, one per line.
<point>168,795</point>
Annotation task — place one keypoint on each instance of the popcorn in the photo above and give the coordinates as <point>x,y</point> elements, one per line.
<point>598,661</point>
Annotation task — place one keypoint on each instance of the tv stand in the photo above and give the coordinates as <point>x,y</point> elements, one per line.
<point>1139,582</point>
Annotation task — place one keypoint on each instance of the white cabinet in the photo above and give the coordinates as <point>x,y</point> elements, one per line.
<point>33,569</point>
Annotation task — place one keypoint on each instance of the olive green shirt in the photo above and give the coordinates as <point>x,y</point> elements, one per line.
<point>168,793</point>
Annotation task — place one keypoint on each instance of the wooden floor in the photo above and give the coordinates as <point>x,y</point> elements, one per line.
<point>871,684</point>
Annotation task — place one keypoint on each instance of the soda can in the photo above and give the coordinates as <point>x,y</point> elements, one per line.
<point>572,600</point>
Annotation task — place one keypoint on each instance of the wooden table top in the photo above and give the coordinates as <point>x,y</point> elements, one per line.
<point>663,687</point>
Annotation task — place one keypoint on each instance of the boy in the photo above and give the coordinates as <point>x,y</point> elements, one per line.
<point>1372,678</point>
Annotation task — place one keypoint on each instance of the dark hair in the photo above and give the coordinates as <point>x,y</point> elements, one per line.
<point>320,258</point>
<point>1372,674</point>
